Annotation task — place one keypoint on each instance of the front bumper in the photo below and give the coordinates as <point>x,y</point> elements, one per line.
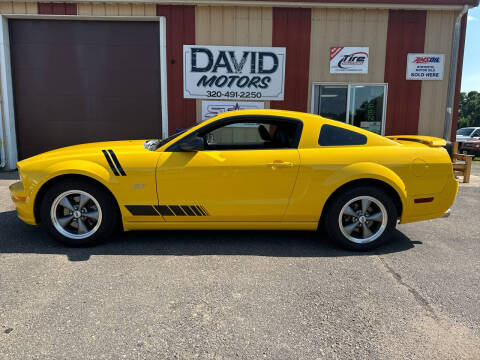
<point>23,203</point>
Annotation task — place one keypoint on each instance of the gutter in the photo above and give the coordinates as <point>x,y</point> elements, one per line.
<point>453,74</point>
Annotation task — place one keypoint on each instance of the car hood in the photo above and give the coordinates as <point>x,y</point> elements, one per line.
<point>84,150</point>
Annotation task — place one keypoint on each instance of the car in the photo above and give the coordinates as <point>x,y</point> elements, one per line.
<point>466,134</point>
<point>248,169</point>
<point>472,147</point>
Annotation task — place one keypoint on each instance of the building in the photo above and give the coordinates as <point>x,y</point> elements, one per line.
<point>74,72</point>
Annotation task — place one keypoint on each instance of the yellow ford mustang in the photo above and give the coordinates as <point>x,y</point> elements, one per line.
<point>255,169</point>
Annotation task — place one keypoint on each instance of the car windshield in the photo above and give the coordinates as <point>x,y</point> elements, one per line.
<point>156,143</point>
<point>465,131</point>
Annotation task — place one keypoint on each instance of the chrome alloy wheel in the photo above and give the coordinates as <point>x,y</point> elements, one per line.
<point>363,219</point>
<point>76,214</point>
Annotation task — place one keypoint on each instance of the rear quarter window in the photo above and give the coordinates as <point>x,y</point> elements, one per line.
<point>336,136</point>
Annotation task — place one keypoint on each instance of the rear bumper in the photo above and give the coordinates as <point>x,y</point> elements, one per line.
<point>439,207</point>
<point>23,203</point>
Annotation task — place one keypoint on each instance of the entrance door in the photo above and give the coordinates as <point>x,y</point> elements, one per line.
<point>362,105</point>
<point>83,81</point>
<point>246,172</point>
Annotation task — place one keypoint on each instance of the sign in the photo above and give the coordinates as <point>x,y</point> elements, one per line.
<point>233,72</point>
<point>425,66</point>
<point>213,108</point>
<point>348,60</point>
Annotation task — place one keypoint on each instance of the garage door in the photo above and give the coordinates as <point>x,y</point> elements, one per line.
<point>83,81</point>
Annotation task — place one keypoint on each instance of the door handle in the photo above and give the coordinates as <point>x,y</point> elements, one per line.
<point>280,164</point>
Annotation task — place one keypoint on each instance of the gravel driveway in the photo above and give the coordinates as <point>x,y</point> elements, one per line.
<point>246,295</point>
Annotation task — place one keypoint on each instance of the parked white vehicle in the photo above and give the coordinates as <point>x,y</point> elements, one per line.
<point>468,133</point>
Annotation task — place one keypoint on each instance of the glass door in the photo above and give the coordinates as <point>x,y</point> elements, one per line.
<point>332,101</point>
<point>362,105</point>
<point>366,107</point>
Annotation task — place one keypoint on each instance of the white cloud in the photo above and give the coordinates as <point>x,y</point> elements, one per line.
<point>471,18</point>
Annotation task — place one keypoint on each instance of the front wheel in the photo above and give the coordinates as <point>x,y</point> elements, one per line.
<point>361,218</point>
<point>78,213</point>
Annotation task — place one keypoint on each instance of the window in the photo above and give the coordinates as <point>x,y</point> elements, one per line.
<point>336,136</point>
<point>476,133</point>
<point>252,133</point>
<point>332,101</point>
<point>362,105</point>
<point>465,131</point>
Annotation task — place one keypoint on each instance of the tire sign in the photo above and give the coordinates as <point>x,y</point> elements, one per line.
<point>233,72</point>
<point>348,60</point>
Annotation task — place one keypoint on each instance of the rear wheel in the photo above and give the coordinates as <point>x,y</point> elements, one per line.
<point>78,213</point>
<point>361,218</point>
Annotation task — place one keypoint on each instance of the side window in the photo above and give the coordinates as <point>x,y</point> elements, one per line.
<point>247,134</point>
<point>238,134</point>
<point>476,133</point>
<point>337,136</point>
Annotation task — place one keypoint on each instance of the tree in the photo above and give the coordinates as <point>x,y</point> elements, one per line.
<point>469,109</point>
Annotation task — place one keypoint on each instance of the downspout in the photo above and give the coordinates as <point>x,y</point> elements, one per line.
<point>3,160</point>
<point>453,72</point>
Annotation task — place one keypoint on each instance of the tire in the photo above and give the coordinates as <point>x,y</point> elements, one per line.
<point>339,211</point>
<point>78,221</point>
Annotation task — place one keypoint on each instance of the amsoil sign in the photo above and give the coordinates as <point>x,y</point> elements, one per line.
<point>348,60</point>
<point>233,72</point>
<point>425,66</point>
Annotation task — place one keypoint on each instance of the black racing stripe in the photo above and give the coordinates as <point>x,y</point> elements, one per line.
<point>177,210</point>
<point>196,211</point>
<point>199,208</point>
<point>204,210</point>
<point>164,210</point>
<point>187,210</point>
<point>114,157</point>
<point>114,169</point>
<point>142,210</point>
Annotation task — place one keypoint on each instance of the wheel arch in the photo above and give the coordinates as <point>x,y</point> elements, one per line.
<point>388,188</point>
<point>63,177</point>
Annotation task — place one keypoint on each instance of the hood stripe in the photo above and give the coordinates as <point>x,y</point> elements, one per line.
<point>110,163</point>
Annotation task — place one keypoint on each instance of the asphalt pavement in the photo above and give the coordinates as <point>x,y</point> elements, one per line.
<point>244,294</point>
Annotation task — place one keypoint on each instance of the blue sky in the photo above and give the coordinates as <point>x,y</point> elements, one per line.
<point>471,68</point>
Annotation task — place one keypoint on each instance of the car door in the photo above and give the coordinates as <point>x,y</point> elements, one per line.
<point>237,177</point>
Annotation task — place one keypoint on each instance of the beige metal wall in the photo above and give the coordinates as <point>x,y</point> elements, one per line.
<point>438,40</point>
<point>116,9</point>
<point>18,7</point>
<point>224,25</point>
<point>347,27</point>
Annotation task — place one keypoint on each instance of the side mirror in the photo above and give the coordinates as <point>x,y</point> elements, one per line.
<point>194,144</point>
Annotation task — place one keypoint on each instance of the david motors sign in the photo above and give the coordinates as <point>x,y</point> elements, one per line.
<point>348,60</point>
<point>425,66</point>
<point>233,72</point>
